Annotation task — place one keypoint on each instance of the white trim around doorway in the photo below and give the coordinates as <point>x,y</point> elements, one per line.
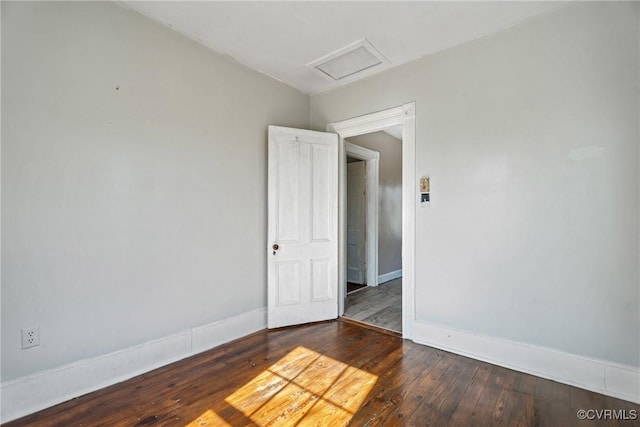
<point>403,115</point>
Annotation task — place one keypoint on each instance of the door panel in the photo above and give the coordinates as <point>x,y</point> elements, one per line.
<point>320,283</point>
<point>321,192</point>
<point>288,283</point>
<point>288,223</point>
<point>302,253</point>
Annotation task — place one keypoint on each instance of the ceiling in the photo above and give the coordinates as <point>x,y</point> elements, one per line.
<point>280,39</point>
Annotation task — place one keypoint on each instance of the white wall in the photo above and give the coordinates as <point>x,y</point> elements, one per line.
<point>531,140</point>
<point>133,181</point>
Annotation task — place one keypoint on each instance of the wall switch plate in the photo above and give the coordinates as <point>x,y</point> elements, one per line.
<point>30,337</point>
<point>424,185</point>
<point>425,200</point>
<point>425,192</point>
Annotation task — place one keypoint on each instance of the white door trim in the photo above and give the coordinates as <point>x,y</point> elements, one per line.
<point>405,116</point>
<point>372,166</point>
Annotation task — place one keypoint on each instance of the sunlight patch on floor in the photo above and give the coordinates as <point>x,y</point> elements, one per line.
<point>302,388</point>
<point>208,418</point>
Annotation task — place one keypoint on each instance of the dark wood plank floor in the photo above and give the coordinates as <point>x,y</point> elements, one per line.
<point>330,374</point>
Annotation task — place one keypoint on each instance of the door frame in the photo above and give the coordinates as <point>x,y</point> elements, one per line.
<point>372,168</point>
<point>404,116</point>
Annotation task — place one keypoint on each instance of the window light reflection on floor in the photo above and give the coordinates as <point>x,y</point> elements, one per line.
<point>302,388</point>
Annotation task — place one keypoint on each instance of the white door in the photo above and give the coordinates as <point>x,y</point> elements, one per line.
<point>356,222</point>
<point>302,250</point>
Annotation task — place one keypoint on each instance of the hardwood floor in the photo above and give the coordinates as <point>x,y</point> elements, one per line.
<point>378,305</point>
<point>330,374</point>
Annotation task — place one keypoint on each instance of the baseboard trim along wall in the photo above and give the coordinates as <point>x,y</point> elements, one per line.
<point>30,394</point>
<point>35,392</point>
<point>389,276</point>
<point>600,376</point>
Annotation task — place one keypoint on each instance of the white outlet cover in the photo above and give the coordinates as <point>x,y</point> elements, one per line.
<point>30,337</point>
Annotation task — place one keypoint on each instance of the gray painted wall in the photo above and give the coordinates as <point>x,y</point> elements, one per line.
<point>133,181</point>
<point>389,197</point>
<point>531,139</point>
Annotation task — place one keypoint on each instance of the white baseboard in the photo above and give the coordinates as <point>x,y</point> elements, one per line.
<point>35,392</point>
<point>29,394</point>
<point>213,334</point>
<point>389,276</point>
<point>600,376</point>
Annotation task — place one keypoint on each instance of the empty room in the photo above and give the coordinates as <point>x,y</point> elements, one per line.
<point>176,213</point>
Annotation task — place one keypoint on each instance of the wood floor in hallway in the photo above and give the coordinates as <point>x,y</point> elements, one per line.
<point>377,305</point>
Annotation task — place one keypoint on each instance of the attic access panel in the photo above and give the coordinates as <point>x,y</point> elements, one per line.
<point>352,62</point>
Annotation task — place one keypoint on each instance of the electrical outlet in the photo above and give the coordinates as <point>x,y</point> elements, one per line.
<point>30,337</point>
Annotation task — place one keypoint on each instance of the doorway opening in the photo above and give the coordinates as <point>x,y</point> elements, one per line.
<point>401,118</point>
<point>374,221</point>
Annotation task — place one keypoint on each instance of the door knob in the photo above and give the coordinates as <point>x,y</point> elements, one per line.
<point>275,248</point>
